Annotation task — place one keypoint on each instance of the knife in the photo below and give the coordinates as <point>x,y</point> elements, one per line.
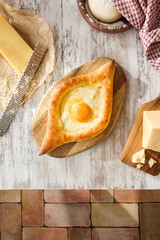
<point>13,104</point>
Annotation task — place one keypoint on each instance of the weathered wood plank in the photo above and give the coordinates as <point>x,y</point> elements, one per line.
<point>99,167</point>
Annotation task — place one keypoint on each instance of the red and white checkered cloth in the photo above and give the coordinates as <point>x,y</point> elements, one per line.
<point>144,15</point>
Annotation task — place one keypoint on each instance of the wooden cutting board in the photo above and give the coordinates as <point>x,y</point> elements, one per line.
<point>134,142</point>
<point>40,119</point>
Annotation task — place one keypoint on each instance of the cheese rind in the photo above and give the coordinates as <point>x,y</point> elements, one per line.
<point>139,157</point>
<point>151,130</point>
<point>14,49</point>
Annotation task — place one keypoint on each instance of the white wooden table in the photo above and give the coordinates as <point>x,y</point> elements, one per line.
<point>100,167</point>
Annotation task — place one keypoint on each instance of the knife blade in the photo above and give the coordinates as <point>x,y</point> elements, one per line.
<point>13,104</point>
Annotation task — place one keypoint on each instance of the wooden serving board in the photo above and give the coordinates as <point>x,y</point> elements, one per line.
<point>40,119</point>
<point>134,142</point>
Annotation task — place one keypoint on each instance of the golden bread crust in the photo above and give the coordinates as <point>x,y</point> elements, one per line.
<point>55,134</point>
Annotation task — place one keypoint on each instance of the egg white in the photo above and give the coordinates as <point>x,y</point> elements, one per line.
<point>89,95</point>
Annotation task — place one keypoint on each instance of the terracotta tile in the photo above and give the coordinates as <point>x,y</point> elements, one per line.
<point>32,208</point>
<point>137,195</point>
<point>44,234</point>
<point>115,234</point>
<point>79,234</point>
<point>67,215</point>
<point>67,196</point>
<point>102,196</point>
<point>10,221</point>
<point>10,196</point>
<point>115,215</point>
<point>150,221</point>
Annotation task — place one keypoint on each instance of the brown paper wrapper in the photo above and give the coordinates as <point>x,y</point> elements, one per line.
<point>33,29</point>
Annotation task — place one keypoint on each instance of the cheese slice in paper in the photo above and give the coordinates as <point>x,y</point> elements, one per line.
<point>13,48</point>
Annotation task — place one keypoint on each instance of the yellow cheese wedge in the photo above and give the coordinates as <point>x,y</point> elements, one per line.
<point>151,130</point>
<point>15,50</point>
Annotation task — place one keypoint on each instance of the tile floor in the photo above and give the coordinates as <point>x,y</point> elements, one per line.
<point>80,215</point>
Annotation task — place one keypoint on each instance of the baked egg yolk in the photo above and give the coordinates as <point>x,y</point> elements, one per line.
<point>80,111</point>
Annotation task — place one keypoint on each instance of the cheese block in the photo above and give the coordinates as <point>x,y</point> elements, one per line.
<point>152,162</point>
<point>139,166</point>
<point>14,49</point>
<point>151,130</point>
<point>139,157</point>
